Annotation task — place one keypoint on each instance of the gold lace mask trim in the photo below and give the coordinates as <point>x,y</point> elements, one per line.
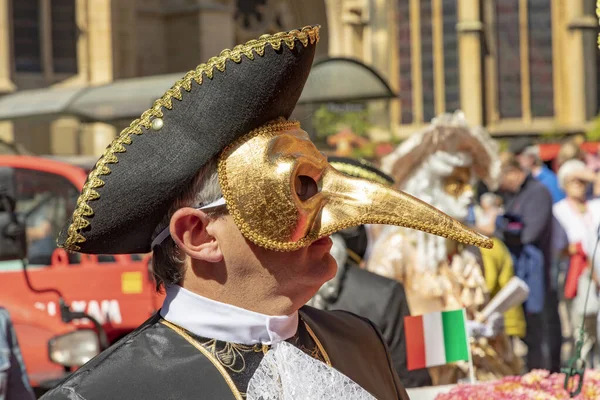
<point>306,35</point>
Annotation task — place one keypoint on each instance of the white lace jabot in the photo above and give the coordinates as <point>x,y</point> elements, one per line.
<point>215,320</point>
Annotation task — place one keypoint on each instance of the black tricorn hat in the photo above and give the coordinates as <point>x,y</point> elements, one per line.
<point>142,171</point>
<point>360,169</point>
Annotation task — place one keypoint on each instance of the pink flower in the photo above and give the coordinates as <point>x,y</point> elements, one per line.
<point>535,385</point>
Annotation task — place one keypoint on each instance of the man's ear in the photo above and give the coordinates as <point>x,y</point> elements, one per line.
<point>188,230</point>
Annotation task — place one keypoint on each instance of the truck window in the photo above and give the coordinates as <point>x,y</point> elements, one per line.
<point>44,203</point>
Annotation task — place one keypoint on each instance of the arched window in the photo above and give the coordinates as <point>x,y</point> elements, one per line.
<point>508,58</point>
<point>435,83</point>
<point>26,36</point>
<point>427,59</point>
<point>451,71</point>
<point>404,54</point>
<point>540,58</point>
<point>64,36</point>
<point>45,37</point>
<point>524,58</point>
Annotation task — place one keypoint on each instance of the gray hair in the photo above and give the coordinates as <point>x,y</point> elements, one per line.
<point>489,199</point>
<point>167,260</point>
<point>567,169</point>
<point>534,152</point>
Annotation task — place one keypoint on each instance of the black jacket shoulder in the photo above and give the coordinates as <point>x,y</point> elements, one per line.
<point>367,294</point>
<point>152,362</point>
<point>382,301</point>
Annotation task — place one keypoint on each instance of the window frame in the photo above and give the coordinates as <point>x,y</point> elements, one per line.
<point>526,122</point>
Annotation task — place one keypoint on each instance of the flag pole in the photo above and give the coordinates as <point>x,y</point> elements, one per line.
<point>471,367</point>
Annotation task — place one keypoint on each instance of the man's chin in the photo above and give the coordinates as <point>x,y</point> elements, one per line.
<point>330,266</point>
<point>320,248</point>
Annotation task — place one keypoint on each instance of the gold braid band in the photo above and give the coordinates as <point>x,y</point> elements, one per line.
<point>306,35</point>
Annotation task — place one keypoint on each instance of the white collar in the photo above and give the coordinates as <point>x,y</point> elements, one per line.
<point>215,320</point>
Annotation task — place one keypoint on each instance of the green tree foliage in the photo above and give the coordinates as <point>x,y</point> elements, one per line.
<point>367,152</point>
<point>593,135</point>
<point>327,122</point>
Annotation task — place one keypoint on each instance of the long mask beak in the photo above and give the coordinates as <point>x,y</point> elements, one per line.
<point>258,172</point>
<point>353,201</point>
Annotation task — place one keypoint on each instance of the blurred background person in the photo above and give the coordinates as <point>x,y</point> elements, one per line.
<point>487,212</point>
<point>14,384</point>
<point>569,150</point>
<point>381,300</point>
<point>527,232</point>
<point>576,216</point>
<point>497,262</point>
<point>528,156</point>
<point>439,165</point>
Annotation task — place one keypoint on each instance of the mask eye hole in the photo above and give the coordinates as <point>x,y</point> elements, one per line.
<point>306,187</point>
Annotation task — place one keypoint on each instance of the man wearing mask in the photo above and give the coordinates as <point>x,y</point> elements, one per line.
<point>237,205</point>
<point>377,298</point>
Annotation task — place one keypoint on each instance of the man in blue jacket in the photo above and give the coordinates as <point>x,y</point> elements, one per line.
<point>528,156</point>
<point>528,235</point>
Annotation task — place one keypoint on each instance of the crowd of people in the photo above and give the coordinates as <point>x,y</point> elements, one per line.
<point>544,226</point>
<point>556,218</point>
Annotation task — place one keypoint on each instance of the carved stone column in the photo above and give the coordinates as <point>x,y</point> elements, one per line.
<point>470,29</point>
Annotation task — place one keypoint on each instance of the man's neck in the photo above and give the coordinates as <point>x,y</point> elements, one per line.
<point>251,295</point>
<point>218,320</point>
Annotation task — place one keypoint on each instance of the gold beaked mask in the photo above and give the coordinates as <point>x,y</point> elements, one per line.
<point>265,176</point>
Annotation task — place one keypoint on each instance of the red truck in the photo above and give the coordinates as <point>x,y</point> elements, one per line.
<point>59,296</point>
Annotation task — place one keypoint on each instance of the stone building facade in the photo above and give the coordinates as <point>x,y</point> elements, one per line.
<point>519,67</point>
<point>80,43</point>
<point>516,66</point>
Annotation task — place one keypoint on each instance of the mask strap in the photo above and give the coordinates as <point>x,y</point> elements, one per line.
<point>165,233</point>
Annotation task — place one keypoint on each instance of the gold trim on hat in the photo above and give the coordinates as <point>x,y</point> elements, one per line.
<point>307,35</point>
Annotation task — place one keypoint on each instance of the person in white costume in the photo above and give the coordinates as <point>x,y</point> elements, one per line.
<point>440,165</point>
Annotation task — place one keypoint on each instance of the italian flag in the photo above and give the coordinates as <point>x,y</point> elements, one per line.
<point>436,339</point>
